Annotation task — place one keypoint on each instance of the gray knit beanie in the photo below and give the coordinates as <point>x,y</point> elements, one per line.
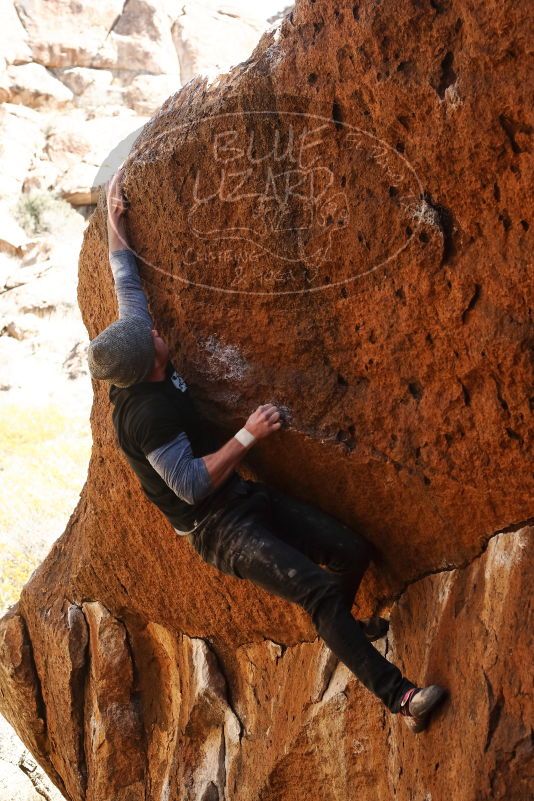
<point>123,353</point>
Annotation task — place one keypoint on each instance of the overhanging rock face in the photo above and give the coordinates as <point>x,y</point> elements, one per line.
<point>339,226</point>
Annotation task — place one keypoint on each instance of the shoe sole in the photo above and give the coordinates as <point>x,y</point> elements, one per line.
<point>420,722</point>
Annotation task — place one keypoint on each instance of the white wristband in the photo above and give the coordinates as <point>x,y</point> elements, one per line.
<point>245,437</point>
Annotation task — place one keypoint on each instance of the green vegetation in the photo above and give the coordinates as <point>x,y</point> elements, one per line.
<point>42,212</point>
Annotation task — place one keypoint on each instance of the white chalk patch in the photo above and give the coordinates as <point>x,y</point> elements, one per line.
<point>424,214</point>
<point>224,361</point>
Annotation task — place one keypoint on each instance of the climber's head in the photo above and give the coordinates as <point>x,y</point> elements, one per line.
<point>126,352</point>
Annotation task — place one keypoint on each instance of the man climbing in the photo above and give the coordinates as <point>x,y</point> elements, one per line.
<point>244,528</point>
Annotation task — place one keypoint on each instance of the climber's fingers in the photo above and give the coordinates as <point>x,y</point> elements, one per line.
<point>114,186</point>
<point>117,202</point>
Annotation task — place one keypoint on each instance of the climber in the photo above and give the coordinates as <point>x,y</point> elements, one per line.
<point>244,528</point>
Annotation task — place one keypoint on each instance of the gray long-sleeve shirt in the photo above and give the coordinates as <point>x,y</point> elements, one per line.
<point>131,298</point>
<point>186,475</point>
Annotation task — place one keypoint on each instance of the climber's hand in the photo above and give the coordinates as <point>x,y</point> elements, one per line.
<point>264,421</point>
<point>116,200</point>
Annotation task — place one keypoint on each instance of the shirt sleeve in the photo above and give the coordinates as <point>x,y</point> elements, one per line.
<point>130,295</point>
<point>186,476</point>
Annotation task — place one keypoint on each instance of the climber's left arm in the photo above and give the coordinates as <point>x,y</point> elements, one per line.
<point>130,295</point>
<point>131,298</point>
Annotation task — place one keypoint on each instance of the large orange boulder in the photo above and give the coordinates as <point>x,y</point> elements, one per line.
<point>340,226</point>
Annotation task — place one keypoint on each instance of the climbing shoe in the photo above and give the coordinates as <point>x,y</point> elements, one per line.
<point>418,704</point>
<point>374,628</point>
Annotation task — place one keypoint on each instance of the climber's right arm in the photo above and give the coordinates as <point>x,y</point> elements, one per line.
<point>186,476</point>
<point>168,450</point>
<point>261,423</point>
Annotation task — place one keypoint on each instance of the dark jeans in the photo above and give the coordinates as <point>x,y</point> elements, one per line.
<point>278,543</point>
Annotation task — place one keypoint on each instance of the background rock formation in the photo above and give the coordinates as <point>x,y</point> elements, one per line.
<point>384,304</point>
<point>77,78</point>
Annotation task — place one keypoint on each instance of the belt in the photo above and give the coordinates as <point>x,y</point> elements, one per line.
<point>238,488</point>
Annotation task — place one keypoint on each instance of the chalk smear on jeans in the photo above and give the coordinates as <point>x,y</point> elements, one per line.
<point>254,552</point>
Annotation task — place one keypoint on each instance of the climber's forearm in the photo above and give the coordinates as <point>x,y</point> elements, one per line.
<point>131,298</point>
<point>222,463</point>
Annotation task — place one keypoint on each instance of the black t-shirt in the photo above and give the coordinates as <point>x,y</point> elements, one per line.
<point>150,414</point>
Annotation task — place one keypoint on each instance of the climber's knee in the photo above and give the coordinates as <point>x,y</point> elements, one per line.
<point>354,556</point>
<point>322,595</point>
